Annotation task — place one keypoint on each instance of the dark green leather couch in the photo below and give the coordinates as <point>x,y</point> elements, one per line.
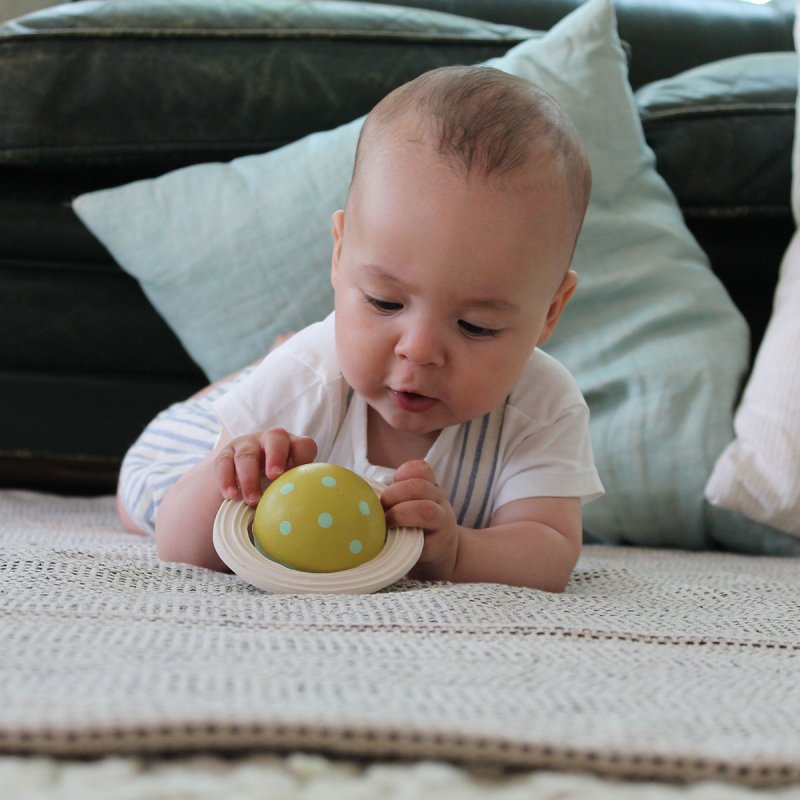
<point>97,94</point>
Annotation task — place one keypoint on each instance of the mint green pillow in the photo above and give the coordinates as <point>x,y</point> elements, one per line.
<point>233,254</point>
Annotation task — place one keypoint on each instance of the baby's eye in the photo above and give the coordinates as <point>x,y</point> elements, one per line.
<point>387,306</point>
<point>476,331</point>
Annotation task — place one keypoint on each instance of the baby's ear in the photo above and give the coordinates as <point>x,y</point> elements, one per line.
<point>338,235</point>
<point>559,302</point>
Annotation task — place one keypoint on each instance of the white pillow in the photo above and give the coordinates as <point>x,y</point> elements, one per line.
<point>758,473</point>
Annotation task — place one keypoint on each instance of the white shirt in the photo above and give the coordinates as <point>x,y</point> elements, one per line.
<point>536,445</point>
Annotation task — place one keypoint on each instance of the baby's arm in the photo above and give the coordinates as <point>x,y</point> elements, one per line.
<point>237,468</point>
<point>534,542</point>
<point>178,437</point>
<point>185,518</point>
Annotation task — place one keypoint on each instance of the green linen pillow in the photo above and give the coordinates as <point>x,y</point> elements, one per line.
<point>651,336</point>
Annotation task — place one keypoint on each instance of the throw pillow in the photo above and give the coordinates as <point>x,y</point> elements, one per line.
<point>651,336</point>
<point>758,474</point>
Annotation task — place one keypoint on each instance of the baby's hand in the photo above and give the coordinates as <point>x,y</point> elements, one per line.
<point>415,500</point>
<point>242,464</point>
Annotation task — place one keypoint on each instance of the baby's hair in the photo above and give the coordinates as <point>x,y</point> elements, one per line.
<point>488,124</point>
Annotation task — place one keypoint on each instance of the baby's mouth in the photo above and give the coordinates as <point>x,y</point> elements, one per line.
<point>411,401</point>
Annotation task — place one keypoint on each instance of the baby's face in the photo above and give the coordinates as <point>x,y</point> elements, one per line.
<point>443,286</point>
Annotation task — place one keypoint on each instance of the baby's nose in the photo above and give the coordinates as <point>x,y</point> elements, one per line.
<point>420,345</point>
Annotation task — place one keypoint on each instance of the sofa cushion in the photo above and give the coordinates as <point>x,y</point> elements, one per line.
<point>233,254</point>
<point>733,121</point>
<point>667,36</point>
<point>235,72</point>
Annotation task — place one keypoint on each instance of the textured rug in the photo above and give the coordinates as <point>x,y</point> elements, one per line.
<point>652,665</point>
<point>301,776</point>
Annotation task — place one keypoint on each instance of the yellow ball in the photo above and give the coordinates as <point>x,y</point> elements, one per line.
<point>319,518</point>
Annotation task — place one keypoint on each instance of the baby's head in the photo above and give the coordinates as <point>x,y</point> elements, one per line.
<point>488,126</point>
<point>453,250</point>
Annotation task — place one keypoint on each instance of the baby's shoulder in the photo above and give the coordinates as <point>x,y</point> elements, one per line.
<point>312,350</point>
<point>545,388</point>
<point>542,368</point>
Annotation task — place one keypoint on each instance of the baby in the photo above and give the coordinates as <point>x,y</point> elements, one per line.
<point>450,265</point>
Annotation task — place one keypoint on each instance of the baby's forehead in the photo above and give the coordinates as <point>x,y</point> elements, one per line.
<point>412,139</point>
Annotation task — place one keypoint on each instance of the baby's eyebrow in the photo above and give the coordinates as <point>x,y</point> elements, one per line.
<point>497,304</point>
<point>493,304</point>
<point>381,274</point>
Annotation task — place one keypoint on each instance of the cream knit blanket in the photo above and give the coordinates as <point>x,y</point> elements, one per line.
<point>653,664</point>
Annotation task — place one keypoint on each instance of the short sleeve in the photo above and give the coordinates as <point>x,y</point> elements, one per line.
<point>546,440</point>
<point>297,387</point>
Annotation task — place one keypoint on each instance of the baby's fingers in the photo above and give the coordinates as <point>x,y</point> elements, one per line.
<point>417,469</point>
<point>248,459</point>
<point>302,451</point>
<point>413,480</point>
<point>237,469</point>
<point>426,514</point>
<point>226,473</point>
<point>283,450</point>
<point>246,464</point>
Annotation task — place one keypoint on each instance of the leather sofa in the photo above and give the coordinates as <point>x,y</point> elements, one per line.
<point>97,94</point>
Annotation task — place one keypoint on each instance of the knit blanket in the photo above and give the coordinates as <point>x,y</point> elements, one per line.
<point>653,664</point>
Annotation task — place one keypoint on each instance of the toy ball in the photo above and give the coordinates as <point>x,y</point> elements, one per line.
<point>319,518</point>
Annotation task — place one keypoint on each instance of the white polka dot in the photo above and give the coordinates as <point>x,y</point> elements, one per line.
<point>329,481</point>
<point>286,488</point>
<point>325,520</point>
<point>363,507</point>
<point>285,527</point>
<point>355,547</point>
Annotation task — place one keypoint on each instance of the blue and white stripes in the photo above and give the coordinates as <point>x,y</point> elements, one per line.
<point>185,433</point>
<point>175,441</point>
<point>477,467</point>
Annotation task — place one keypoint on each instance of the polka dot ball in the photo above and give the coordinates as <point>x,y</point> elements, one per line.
<point>319,518</point>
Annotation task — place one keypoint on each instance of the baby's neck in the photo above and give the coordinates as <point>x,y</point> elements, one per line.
<point>387,447</point>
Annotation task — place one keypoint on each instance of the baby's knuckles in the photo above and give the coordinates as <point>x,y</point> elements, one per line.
<point>415,469</point>
<point>245,449</point>
<point>426,514</point>
<point>431,515</point>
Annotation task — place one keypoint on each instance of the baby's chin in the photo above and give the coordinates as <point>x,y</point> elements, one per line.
<point>403,421</point>
<point>423,423</point>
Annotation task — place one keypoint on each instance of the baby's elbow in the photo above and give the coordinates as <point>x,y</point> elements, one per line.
<point>557,584</point>
<point>174,549</point>
<point>126,520</point>
<point>171,548</point>
<point>168,549</point>
<point>560,576</point>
